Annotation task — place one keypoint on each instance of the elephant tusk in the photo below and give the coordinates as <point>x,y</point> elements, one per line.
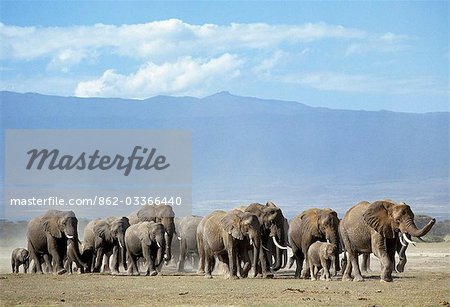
<point>251,241</point>
<point>69,237</point>
<point>265,248</point>
<point>120,244</point>
<point>408,240</point>
<point>277,244</point>
<point>402,241</point>
<point>179,238</point>
<point>159,245</point>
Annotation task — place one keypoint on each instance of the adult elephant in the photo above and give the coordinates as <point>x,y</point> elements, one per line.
<point>48,237</point>
<point>308,227</point>
<point>227,235</point>
<point>272,224</point>
<point>163,214</point>
<point>376,227</point>
<point>188,244</point>
<point>106,238</point>
<point>147,240</point>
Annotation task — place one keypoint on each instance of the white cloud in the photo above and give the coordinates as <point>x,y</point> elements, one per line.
<point>386,42</point>
<point>362,83</point>
<point>187,76</point>
<point>160,39</point>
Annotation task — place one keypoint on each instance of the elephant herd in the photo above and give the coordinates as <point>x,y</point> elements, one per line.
<point>255,238</point>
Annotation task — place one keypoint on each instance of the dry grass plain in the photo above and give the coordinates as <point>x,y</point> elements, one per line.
<point>426,282</point>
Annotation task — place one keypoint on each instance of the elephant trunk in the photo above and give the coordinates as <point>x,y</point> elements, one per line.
<point>278,259</point>
<point>123,251</point>
<point>402,259</point>
<point>77,254</point>
<point>256,249</point>
<point>415,232</point>
<point>285,259</point>
<point>160,253</point>
<point>168,249</point>
<point>333,238</point>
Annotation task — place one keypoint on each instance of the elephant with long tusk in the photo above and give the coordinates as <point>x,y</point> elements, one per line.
<point>375,227</point>
<point>103,239</point>
<point>273,231</point>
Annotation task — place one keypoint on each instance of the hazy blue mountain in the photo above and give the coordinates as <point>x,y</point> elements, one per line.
<point>249,149</point>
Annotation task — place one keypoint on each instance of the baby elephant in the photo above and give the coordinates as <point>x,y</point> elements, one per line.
<point>20,256</point>
<point>321,255</point>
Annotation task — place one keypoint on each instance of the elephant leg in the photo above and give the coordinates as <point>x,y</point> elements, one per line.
<point>209,264</point>
<point>353,259</point>
<point>182,256</point>
<point>232,257</point>
<point>365,265</point>
<point>132,264</point>
<point>299,257</point>
<point>311,268</point>
<point>56,256</point>
<point>223,259</point>
<point>98,259</point>
<point>326,271</point>
<point>387,260</point>
<point>147,253</point>
<point>305,272</point>
<point>48,263</point>
<point>115,260</point>
<point>247,263</point>
<point>265,268</point>
<point>106,258</point>
<point>37,268</point>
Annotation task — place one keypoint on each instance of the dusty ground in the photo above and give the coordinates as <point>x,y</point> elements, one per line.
<point>426,282</point>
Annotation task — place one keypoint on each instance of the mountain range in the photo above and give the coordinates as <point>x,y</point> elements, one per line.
<point>248,149</point>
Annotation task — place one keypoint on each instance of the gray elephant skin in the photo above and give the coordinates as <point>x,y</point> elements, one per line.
<point>321,255</point>
<point>48,236</point>
<point>187,231</point>
<point>20,256</point>
<point>376,227</point>
<point>163,214</point>
<point>308,227</point>
<point>272,222</point>
<point>105,238</point>
<point>228,236</point>
<point>147,240</point>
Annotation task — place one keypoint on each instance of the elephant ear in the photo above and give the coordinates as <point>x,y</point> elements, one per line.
<point>310,222</point>
<point>250,221</point>
<point>102,230</point>
<point>231,223</point>
<point>377,216</point>
<point>50,223</point>
<point>145,232</point>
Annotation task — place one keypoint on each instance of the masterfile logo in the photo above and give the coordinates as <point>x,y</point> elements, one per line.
<point>43,157</point>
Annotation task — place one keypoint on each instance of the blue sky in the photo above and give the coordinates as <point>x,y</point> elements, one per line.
<point>346,55</point>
